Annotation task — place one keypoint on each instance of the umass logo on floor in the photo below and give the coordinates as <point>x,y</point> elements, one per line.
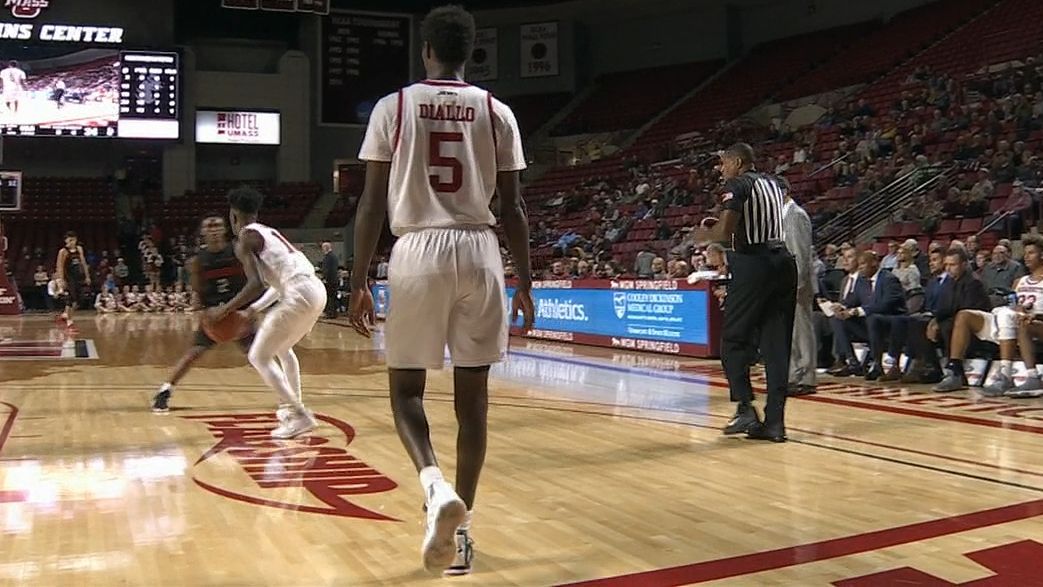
<point>329,476</point>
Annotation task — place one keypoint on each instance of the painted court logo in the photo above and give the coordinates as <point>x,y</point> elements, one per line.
<point>27,8</point>
<point>329,476</point>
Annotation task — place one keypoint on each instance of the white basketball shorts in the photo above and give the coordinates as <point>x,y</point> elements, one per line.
<point>446,288</point>
<point>999,324</point>
<point>300,306</point>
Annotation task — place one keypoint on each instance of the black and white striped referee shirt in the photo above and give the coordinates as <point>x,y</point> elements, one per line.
<point>759,200</point>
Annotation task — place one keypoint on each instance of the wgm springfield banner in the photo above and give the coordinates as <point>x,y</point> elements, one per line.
<point>663,316</point>
<point>484,58</point>
<point>539,49</point>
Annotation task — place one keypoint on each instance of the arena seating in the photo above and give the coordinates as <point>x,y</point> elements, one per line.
<point>629,99</point>
<point>286,204</point>
<point>901,38</point>
<point>750,81</point>
<point>533,110</point>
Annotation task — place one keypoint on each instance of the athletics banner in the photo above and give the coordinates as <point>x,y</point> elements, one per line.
<point>665,316</point>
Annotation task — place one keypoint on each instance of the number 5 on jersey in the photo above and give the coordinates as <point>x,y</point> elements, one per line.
<point>436,159</point>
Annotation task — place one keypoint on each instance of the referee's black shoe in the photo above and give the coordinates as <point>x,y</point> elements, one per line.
<point>772,432</point>
<point>744,420</point>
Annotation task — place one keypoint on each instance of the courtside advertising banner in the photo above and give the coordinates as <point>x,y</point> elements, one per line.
<point>664,316</point>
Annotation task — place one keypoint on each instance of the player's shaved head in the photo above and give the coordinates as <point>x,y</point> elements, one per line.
<point>449,31</point>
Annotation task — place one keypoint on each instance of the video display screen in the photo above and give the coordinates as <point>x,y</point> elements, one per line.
<point>55,91</point>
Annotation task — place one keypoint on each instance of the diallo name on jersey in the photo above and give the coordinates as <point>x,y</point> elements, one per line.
<point>453,112</point>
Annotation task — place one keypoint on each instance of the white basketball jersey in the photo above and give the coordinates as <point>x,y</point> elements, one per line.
<point>1030,294</point>
<point>279,261</point>
<point>13,79</point>
<point>446,140</point>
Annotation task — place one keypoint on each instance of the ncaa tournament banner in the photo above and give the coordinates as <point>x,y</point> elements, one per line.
<point>483,66</point>
<point>539,49</point>
<point>665,316</point>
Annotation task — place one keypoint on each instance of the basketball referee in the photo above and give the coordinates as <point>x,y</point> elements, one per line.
<point>759,307</point>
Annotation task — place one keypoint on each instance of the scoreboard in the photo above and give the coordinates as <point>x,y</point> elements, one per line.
<point>149,95</point>
<point>95,93</point>
<point>365,56</point>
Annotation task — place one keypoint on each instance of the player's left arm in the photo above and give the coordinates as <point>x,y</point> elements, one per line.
<point>247,248</point>
<point>83,263</point>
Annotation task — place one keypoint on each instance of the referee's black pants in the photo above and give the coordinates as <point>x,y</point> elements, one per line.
<point>758,314</point>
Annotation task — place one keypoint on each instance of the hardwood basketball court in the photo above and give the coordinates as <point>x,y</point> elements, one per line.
<point>604,468</point>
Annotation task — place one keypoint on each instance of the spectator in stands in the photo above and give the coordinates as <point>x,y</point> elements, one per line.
<point>382,268</point>
<point>890,261</point>
<point>1001,273</point>
<point>583,270</point>
<point>961,291</point>
<point>121,271</point>
<point>643,264</point>
<point>919,259</point>
<point>907,272</point>
<point>680,270</point>
<point>663,231</point>
<point>40,279</point>
<point>54,293</point>
<point>659,268</point>
<point>981,261</point>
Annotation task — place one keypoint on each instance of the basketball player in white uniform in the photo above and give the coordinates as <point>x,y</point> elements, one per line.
<point>1009,326</point>
<point>14,85</point>
<point>436,152</point>
<point>266,255</point>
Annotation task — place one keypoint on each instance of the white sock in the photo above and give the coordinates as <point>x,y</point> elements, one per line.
<point>429,476</point>
<point>1007,368</point>
<point>167,387</point>
<point>466,524</point>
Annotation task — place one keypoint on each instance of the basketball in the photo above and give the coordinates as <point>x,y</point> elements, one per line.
<point>232,327</point>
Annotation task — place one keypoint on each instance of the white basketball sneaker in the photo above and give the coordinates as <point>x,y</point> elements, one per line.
<point>464,554</point>
<point>296,423</point>
<point>284,412</point>
<point>445,512</point>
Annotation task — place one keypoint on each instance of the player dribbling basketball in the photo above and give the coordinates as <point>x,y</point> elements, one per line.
<point>291,280</point>
<point>216,276</point>
<point>446,147</point>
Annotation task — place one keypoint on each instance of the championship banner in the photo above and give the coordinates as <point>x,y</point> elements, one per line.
<point>663,316</point>
<point>483,65</point>
<point>241,4</point>
<point>539,49</point>
<point>314,6</point>
<point>279,5</point>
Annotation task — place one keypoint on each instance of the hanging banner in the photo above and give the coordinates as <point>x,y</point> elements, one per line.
<point>484,58</point>
<point>241,4</point>
<point>539,49</point>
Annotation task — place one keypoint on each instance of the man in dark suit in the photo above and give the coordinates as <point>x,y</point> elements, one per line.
<point>329,276</point>
<point>877,293</point>
<point>962,300</point>
<point>910,333</point>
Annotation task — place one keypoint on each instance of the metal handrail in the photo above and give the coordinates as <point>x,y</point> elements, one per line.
<point>880,201</point>
<point>829,165</point>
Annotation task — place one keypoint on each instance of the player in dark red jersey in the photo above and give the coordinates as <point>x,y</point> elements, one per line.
<point>216,278</point>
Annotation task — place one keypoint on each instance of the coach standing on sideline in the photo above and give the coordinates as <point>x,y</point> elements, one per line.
<point>330,273</point>
<point>798,237</point>
<point>762,294</point>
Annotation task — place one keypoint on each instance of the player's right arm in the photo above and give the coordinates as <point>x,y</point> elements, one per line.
<point>377,150</point>
<point>510,160</point>
<point>247,247</point>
